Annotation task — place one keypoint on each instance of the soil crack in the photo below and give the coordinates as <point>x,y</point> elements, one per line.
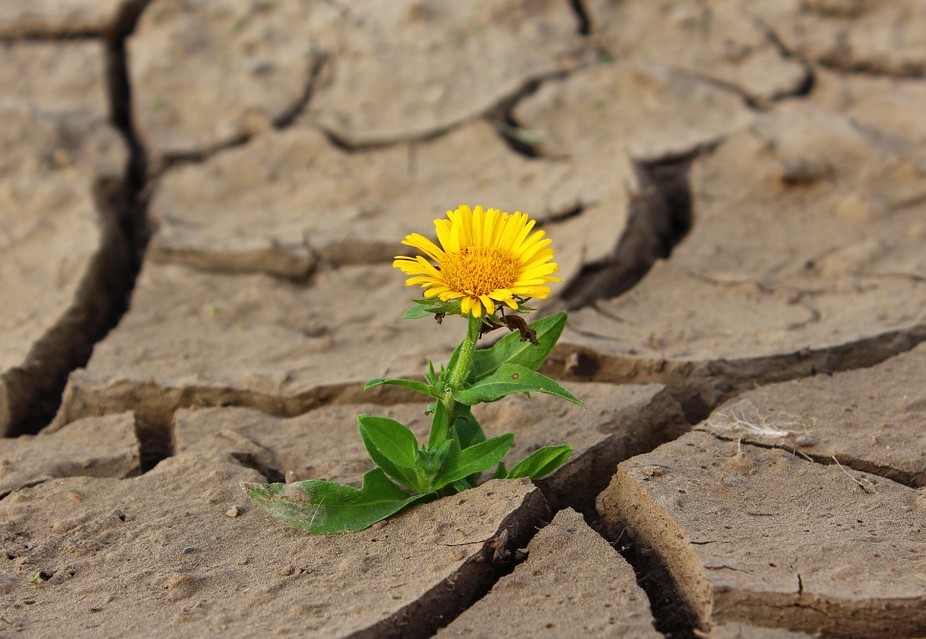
<point>843,461</point>
<point>834,62</point>
<point>103,295</point>
<point>281,122</point>
<point>519,139</point>
<point>584,21</point>
<point>660,218</point>
<point>674,617</point>
<point>472,581</point>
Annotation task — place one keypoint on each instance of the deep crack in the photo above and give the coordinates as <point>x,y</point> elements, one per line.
<point>660,217</point>
<point>584,22</point>
<point>673,615</point>
<point>447,600</point>
<point>106,288</point>
<point>155,442</point>
<point>701,386</point>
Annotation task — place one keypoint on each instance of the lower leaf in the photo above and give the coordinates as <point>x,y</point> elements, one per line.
<point>473,460</point>
<point>328,507</point>
<point>509,379</point>
<point>542,461</point>
<point>467,428</point>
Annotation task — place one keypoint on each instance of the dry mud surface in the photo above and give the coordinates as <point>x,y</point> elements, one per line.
<point>199,203</point>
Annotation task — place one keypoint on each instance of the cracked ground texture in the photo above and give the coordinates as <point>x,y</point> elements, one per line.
<point>199,203</point>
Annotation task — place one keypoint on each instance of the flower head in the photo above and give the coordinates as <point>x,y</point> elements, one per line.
<point>485,256</point>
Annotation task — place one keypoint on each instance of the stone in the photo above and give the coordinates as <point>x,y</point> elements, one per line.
<point>155,553</point>
<point>95,447</point>
<point>747,631</point>
<point>617,422</point>
<point>719,40</point>
<point>287,201</point>
<point>65,79</point>
<point>798,158</point>
<point>851,35</point>
<point>869,419</point>
<point>320,444</point>
<point>62,18</point>
<point>211,73</point>
<point>649,113</point>
<point>454,62</point>
<point>56,110</point>
<point>572,583</point>
<point>208,339</point>
<point>766,537</point>
<point>891,107</point>
<point>837,289</point>
<point>61,170</point>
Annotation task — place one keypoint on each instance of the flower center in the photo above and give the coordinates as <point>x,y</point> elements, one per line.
<point>479,270</point>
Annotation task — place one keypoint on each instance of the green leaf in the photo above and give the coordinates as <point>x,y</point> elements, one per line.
<point>451,364</point>
<point>541,462</point>
<point>440,424</point>
<point>466,426</point>
<point>510,379</point>
<point>473,460</point>
<point>420,387</point>
<point>392,447</point>
<point>510,349</point>
<point>328,507</point>
<point>429,307</point>
<point>500,471</point>
<point>431,460</point>
<point>467,431</point>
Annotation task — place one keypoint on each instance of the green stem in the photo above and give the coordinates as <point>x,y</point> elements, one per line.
<point>458,374</point>
<point>457,377</point>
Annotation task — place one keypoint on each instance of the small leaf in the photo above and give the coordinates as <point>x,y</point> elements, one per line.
<point>467,428</point>
<point>460,485</point>
<point>510,349</point>
<point>430,307</point>
<point>451,364</point>
<point>392,447</point>
<point>327,507</point>
<point>468,431</point>
<point>508,380</point>
<point>431,460</point>
<point>473,460</point>
<point>541,462</point>
<point>440,424</point>
<point>500,471</point>
<point>420,387</point>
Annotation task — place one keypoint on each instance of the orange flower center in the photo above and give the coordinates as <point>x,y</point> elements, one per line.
<point>479,270</point>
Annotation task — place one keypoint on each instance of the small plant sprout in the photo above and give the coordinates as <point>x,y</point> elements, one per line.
<point>486,268</point>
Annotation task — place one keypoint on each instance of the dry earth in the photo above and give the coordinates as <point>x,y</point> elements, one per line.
<point>199,201</point>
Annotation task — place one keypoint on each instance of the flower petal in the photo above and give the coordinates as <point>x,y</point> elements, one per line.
<point>423,244</point>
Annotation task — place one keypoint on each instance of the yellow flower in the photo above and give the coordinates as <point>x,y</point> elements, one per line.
<point>484,257</point>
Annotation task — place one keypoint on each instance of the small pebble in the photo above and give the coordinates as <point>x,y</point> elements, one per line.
<point>288,571</point>
<point>232,512</point>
